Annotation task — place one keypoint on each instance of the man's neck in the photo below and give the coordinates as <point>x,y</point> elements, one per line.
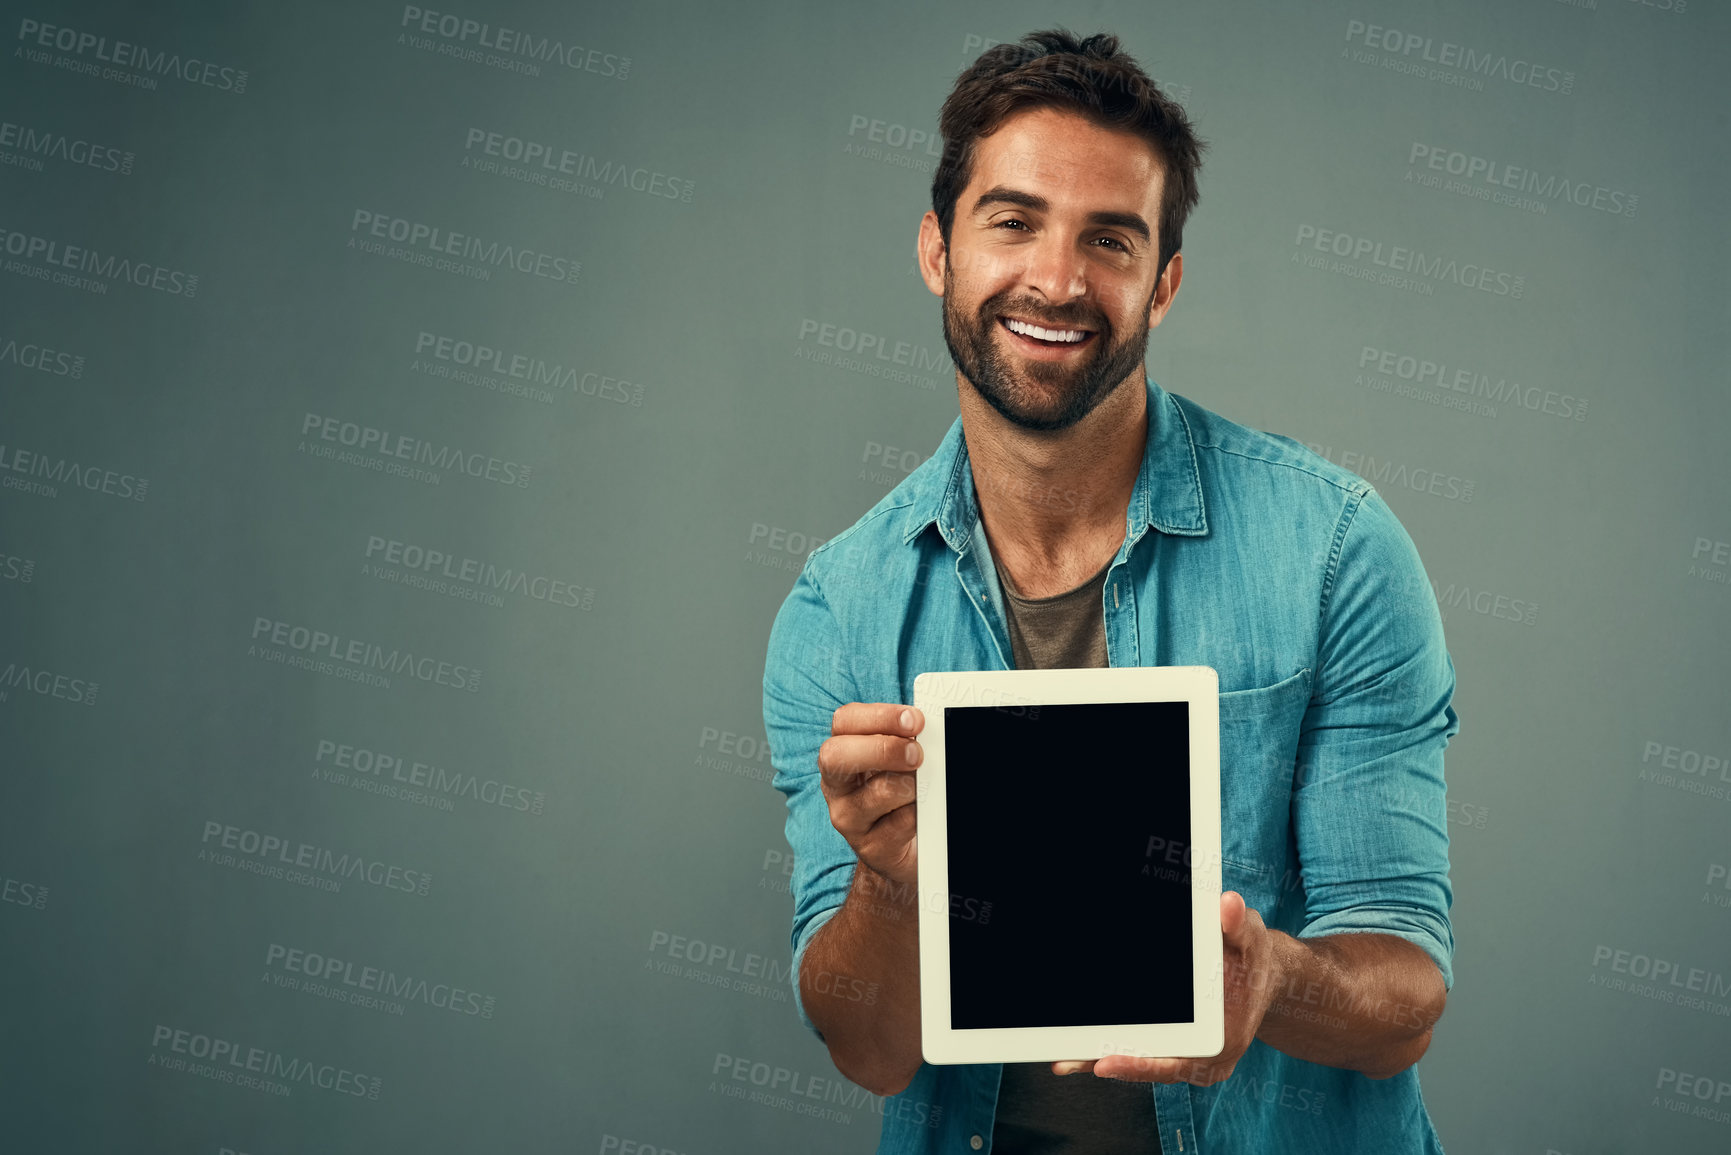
<point>1054,504</point>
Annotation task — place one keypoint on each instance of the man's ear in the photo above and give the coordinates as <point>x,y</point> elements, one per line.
<point>1165,289</point>
<point>929,252</point>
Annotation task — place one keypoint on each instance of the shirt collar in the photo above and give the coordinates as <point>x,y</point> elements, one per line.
<point>1167,496</point>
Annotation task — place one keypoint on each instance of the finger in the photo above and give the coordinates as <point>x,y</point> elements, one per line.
<point>1134,1069</point>
<point>894,828</point>
<point>1073,1067</point>
<point>887,792</point>
<point>1232,915</point>
<point>868,811</point>
<point>876,718</point>
<point>843,758</point>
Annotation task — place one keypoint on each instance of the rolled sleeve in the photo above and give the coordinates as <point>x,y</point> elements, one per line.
<point>1370,808</point>
<point>806,677</point>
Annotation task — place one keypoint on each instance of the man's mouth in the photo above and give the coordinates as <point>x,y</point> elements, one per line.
<point>1053,338</point>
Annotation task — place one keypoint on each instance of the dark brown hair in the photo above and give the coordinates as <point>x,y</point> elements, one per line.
<point>1055,69</point>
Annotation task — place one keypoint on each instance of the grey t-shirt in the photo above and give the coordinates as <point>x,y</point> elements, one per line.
<point>1040,1113</point>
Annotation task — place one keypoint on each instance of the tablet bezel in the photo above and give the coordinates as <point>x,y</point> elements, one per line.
<point>1199,687</point>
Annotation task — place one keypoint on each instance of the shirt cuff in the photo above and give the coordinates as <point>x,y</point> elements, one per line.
<point>1420,927</point>
<point>811,929</point>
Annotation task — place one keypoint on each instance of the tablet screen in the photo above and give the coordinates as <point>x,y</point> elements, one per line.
<point>1073,822</point>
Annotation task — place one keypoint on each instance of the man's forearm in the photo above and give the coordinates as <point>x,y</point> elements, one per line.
<point>860,983</point>
<point>1365,1002</point>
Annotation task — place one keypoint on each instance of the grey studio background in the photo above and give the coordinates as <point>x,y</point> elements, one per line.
<point>411,419</point>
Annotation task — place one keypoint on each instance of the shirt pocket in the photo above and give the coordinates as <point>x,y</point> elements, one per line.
<point>1259,730</point>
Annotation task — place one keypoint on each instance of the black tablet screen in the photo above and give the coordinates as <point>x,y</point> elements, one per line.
<point>1069,852</point>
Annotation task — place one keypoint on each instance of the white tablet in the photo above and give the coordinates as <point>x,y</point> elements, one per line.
<point>1069,864</point>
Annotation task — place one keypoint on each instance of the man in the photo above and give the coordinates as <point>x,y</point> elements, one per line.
<point>1077,514</point>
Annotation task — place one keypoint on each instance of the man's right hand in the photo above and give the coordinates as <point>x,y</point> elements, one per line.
<point>868,765</point>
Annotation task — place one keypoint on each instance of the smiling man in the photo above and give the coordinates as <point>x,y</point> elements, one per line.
<point>1077,514</point>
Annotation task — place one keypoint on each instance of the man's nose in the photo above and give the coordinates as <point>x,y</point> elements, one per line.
<point>1056,270</point>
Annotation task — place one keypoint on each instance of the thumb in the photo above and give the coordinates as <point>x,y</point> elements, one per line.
<point>1232,916</point>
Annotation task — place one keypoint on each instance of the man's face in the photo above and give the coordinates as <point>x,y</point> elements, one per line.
<point>1048,280</point>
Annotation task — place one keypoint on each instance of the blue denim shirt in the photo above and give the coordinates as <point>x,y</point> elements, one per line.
<point>1243,551</point>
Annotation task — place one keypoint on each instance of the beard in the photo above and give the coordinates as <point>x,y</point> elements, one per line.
<point>1017,390</point>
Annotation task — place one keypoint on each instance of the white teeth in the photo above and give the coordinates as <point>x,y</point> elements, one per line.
<point>1028,330</point>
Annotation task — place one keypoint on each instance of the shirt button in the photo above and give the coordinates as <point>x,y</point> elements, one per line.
<point>976,1142</point>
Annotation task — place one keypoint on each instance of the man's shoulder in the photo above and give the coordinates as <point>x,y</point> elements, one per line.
<point>1235,449</point>
<point>865,553</point>
<point>877,536</point>
<point>877,524</point>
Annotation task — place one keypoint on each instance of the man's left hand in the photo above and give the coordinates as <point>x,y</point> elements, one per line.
<point>1249,964</point>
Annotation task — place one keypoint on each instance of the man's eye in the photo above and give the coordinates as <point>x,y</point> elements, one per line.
<point>1009,221</point>
<point>1115,241</point>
